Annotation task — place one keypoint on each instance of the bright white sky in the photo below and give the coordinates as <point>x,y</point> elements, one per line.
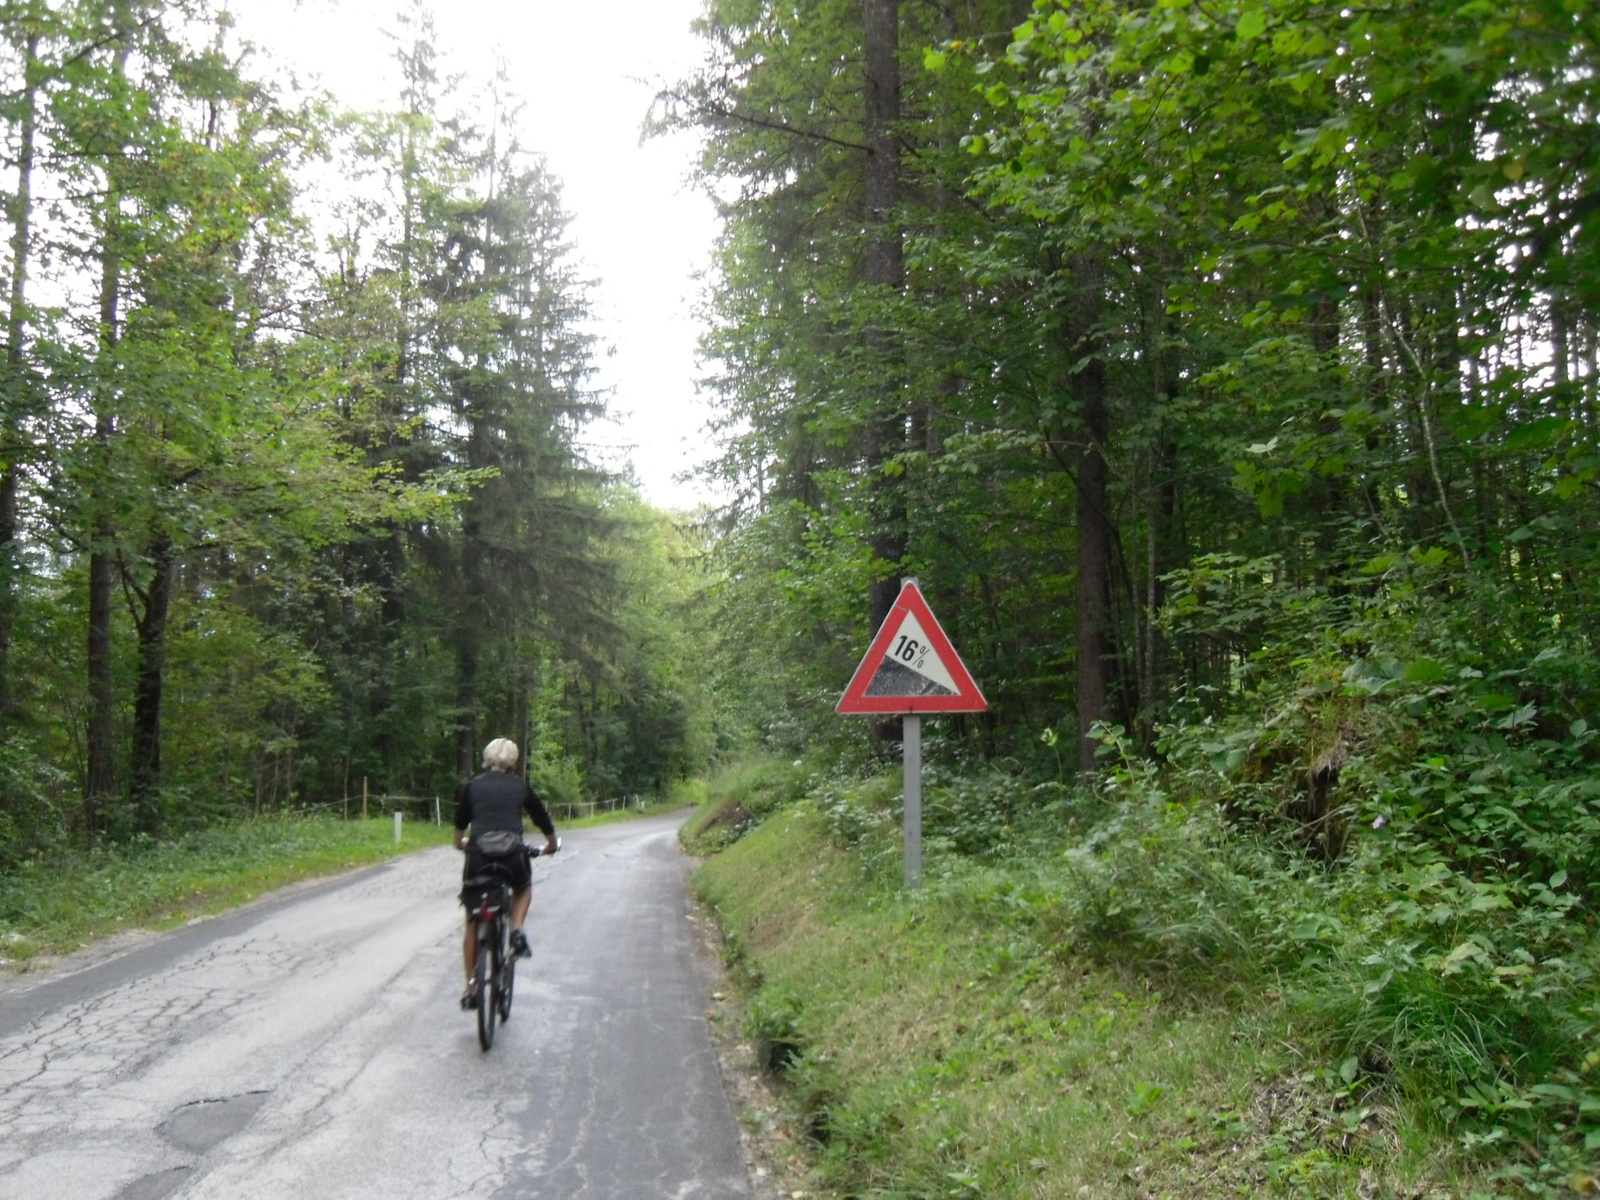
<point>641,229</point>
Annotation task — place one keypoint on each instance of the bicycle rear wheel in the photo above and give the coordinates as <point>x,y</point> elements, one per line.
<point>508,981</point>
<point>484,976</point>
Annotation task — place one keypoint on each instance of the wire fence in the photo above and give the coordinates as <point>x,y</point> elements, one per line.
<point>382,804</point>
<point>439,810</point>
<point>590,808</point>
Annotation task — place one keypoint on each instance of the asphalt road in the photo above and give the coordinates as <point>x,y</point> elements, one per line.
<point>311,1045</point>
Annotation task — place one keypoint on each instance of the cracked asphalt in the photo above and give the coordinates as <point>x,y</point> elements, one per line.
<point>311,1045</point>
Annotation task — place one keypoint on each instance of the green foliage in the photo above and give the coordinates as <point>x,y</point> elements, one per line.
<point>329,490</point>
<point>772,1022</point>
<point>1301,226</point>
<point>240,695</point>
<point>1447,949</point>
<point>1315,284</point>
<point>558,781</point>
<point>32,813</point>
<point>788,595</point>
<point>1428,929</point>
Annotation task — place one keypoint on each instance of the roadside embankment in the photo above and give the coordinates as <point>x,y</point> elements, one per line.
<point>961,1041</point>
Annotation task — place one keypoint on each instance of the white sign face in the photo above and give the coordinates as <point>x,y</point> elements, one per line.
<point>911,650</point>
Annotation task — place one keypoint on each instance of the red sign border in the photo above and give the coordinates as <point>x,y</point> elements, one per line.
<point>855,701</point>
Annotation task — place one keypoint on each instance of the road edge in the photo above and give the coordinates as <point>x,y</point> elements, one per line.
<point>774,1147</point>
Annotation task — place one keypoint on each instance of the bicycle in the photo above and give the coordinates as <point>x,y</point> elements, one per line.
<point>494,974</point>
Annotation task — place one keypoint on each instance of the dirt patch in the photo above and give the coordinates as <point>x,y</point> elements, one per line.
<point>733,815</point>
<point>723,828</point>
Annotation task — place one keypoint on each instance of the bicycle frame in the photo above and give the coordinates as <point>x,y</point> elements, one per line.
<point>494,968</point>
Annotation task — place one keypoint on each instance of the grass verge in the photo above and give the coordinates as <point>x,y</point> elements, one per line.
<point>946,1043</point>
<point>57,904</point>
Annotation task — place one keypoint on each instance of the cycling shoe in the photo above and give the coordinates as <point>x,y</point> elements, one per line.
<point>469,999</point>
<point>519,944</point>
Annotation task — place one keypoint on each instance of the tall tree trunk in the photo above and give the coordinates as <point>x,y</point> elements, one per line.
<point>469,602</point>
<point>1148,605</point>
<point>885,269</point>
<point>145,769</point>
<point>522,716</point>
<point>467,701</point>
<point>1093,524</point>
<point>884,263</point>
<point>18,394</point>
<point>100,780</point>
<point>100,784</point>
<point>468,637</point>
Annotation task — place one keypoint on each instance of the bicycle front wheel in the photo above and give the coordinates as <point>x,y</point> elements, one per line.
<point>483,976</point>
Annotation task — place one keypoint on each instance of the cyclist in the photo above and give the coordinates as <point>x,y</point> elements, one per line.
<point>491,806</point>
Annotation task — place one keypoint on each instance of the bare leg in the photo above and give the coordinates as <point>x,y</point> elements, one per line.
<point>519,906</point>
<point>469,951</point>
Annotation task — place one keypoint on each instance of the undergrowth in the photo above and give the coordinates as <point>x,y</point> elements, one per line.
<point>960,1042</point>
<point>1342,922</point>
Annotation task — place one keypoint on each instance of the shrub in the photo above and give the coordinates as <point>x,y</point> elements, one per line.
<point>31,787</point>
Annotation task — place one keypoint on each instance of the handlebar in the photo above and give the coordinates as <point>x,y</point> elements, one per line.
<point>532,851</point>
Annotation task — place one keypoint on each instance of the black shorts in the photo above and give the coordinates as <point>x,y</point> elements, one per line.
<point>515,864</point>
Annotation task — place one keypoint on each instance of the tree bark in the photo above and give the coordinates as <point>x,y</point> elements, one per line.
<point>467,702</point>
<point>1088,387</point>
<point>145,769</point>
<point>884,263</point>
<point>885,271</point>
<point>522,720</point>
<point>18,387</point>
<point>100,780</point>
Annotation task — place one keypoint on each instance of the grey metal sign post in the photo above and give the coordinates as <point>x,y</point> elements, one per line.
<point>911,669</point>
<point>911,749</point>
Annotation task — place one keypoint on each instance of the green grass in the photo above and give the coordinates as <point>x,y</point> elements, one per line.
<point>946,1046</point>
<point>59,903</point>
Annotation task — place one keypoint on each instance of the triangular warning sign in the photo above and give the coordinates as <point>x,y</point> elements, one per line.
<point>911,667</point>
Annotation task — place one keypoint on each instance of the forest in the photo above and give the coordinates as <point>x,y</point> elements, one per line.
<point>1167,344</point>
<point>1226,371</point>
<point>297,499</point>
